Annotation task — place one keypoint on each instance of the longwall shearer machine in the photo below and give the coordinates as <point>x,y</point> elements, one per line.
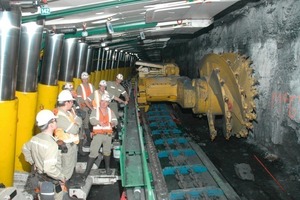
<point>225,88</point>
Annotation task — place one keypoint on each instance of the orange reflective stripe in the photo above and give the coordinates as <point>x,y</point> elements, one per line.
<point>105,119</point>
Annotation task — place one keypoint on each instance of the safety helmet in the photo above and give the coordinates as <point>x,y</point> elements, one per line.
<point>68,86</point>
<point>105,97</point>
<point>84,75</point>
<point>44,116</point>
<point>65,95</point>
<point>120,77</point>
<point>103,83</point>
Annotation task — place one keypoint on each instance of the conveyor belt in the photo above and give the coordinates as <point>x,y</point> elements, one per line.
<point>187,172</point>
<point>159,161</point>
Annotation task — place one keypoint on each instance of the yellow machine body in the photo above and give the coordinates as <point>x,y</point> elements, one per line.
<point>225,88</point>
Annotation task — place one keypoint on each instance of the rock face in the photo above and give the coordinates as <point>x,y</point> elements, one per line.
<point>266,31</point>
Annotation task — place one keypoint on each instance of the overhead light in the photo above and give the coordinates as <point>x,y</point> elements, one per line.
<point>199,23</point>
<point>79,20</point>
<point>172,8</point>
<point>104,21</point>
<point>100,21</point>
<point>188,22</point>
<point>162,29</point>
<point>165,5</point>
<point>106,48</point>
<point>167,23</point>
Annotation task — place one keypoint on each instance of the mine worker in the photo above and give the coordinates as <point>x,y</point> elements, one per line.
<point>76,108</point>
<point>103,120</point>
<point>98,94</point>
<point>84,98</point>
<point>115,89</point>
<point>68,127</point>
<point>43,154</point>
<point>80,113</point>
<point>70,87</point>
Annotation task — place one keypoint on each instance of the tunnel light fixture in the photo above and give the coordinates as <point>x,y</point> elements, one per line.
<point>172,8</point>
<point>162,29</point>
<point>187,23</point>
<point>99,21</point>
<point>62,20</point>
<point>165,5</point>
<point>199,23</point>
<point>170,23</point>
<point>104,21</point>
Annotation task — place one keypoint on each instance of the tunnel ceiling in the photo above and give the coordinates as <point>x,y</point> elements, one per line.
<point>141,27</point>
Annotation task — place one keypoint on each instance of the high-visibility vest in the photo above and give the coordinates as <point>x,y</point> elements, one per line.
<point>63,134</point>
<point>86,91</point>
<point>103,118</point>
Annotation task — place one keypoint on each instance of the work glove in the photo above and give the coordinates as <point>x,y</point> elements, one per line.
<point>62,146</point>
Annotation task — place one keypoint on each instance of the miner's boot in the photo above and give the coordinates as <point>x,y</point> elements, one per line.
<point>107,163</point>
<point>89,166</point>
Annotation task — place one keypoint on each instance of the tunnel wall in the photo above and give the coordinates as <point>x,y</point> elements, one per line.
<point>268,31</point>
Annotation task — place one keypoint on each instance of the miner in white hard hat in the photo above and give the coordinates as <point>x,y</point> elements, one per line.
<point>98,93</point>
<point>103,120</point>
<point>115,89</point>
<point>43,154</point>
<point>85,92</point>
<point>68,127</point>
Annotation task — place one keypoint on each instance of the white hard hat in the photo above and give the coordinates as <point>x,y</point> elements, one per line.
<point>65,95</point>
<point>44,116</point>
<point>103,83</point>
<point>68,86</point>
<point>120,77</point>
<point>84,75</point>
<point>105,97</point>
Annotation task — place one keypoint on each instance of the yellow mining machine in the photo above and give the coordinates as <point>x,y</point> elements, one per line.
<point>225,88</point>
